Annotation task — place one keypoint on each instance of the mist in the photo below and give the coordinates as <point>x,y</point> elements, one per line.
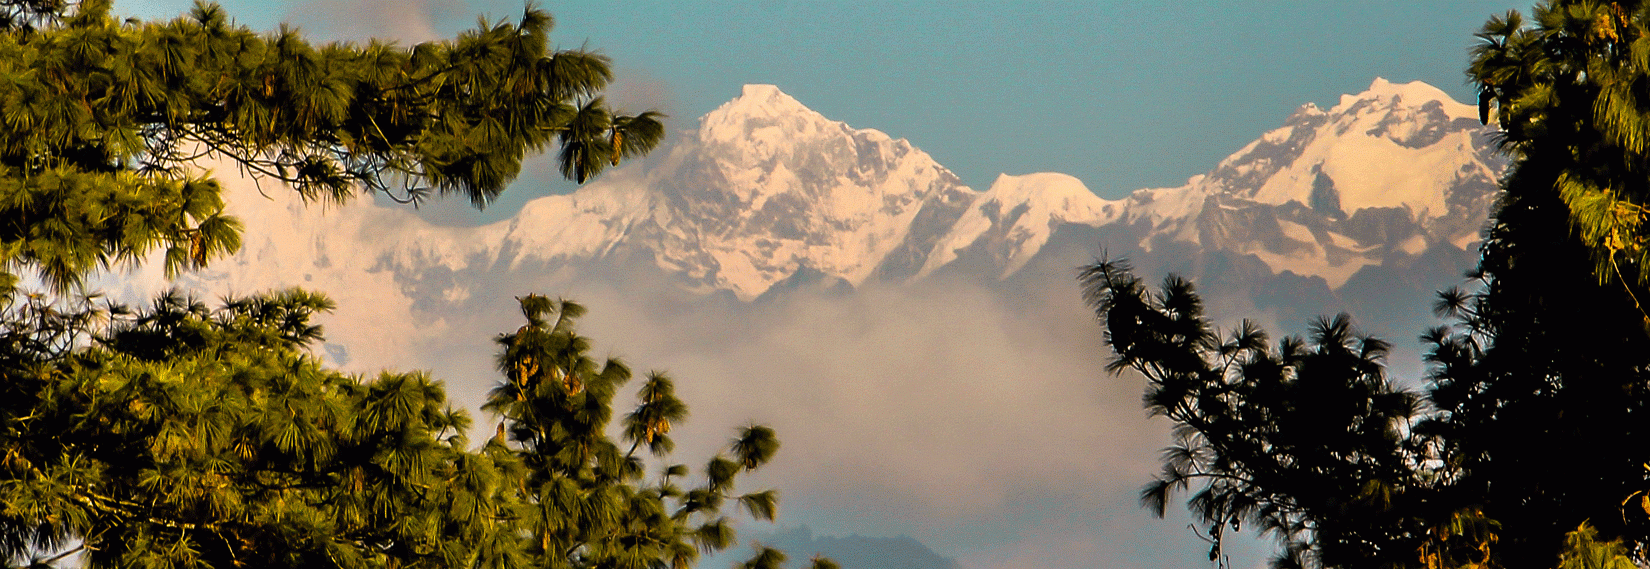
<point>975,417</point>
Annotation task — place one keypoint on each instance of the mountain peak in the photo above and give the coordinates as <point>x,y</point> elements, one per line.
<point>764,100</point>
<point>1414,94</point>
<point>761,91</point>
<point>760,100</point>
<point>770,193</point>
<point>757,107</point>
<point>767,189</point>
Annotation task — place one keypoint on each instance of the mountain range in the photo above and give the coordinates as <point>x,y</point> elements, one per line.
<point>1389,185</point>
<point>767,192</point>
<point>923,338</point>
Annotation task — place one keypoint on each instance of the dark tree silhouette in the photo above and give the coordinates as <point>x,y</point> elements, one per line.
<point>1526,448</point>
<point>1304,439</point>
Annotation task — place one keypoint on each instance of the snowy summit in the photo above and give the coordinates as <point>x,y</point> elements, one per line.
<point>766,191</point>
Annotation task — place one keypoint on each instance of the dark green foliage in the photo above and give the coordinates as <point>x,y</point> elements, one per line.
<point>1302,439</point>
<point>189,436</point>
<point>766,558</point>
<point>1568,90</point>
<point>590,504</point>
<point>182,435</point>
<point>1533,421</point>
<point>63,223</point>
<point>1308,441</point>
<point>1543,386</point>
<point>1528,429</point>
<point>101,121</point>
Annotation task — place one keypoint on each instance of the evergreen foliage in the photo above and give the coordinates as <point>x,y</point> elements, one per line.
<point>1302,439</point>
<point>1515,444</point>
<point>101,121</point>
<point>1531,423</point>
<point>186,435</point>
<point>1570,89</point>
<point>586,495</point>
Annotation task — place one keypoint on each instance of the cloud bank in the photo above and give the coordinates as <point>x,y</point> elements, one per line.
<point>976,420</point>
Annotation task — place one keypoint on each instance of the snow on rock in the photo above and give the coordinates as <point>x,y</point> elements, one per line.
<point>1404,147</point>
<point>580,225</point>
<point>760,119</point>
<point>1413,94</point>
<point>1368,135</point>
<point>766,189</point>
<point>1019,213</point>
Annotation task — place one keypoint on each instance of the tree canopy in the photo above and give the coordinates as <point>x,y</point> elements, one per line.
<point>102,120</point>
<point>180,434</point>
<point>1525,448</point>
<point>1568,90</point>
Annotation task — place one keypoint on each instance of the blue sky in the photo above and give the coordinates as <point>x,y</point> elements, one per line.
<point>1122,95</point>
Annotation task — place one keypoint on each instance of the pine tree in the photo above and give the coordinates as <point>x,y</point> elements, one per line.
<point>1531,424</point>
<point>188,436</point>
<point>1568,90</point>
<point>1303,439</point>
<point>183,435</point>
<point>587,500</point>
<point>101,122</point>
<point>1549,362</point>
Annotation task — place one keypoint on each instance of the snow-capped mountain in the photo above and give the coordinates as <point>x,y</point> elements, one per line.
<point>766,192</point>
<point>1394,171</point>
<point>766,188</point>
<point>857,288</point>
<point>763,190</point>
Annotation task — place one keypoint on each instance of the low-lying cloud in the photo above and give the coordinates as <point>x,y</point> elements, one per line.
<point>975,419</point>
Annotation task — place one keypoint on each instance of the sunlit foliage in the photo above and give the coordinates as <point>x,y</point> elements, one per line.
<point>1570,88</point>
<point>183,434</point>
<point>102,120</point>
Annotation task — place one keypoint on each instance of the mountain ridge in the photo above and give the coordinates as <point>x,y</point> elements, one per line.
<point>919,306</point>
<point>766,191</point>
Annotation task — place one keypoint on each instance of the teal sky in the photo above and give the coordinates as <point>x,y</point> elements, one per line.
<point>1122,95</point>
